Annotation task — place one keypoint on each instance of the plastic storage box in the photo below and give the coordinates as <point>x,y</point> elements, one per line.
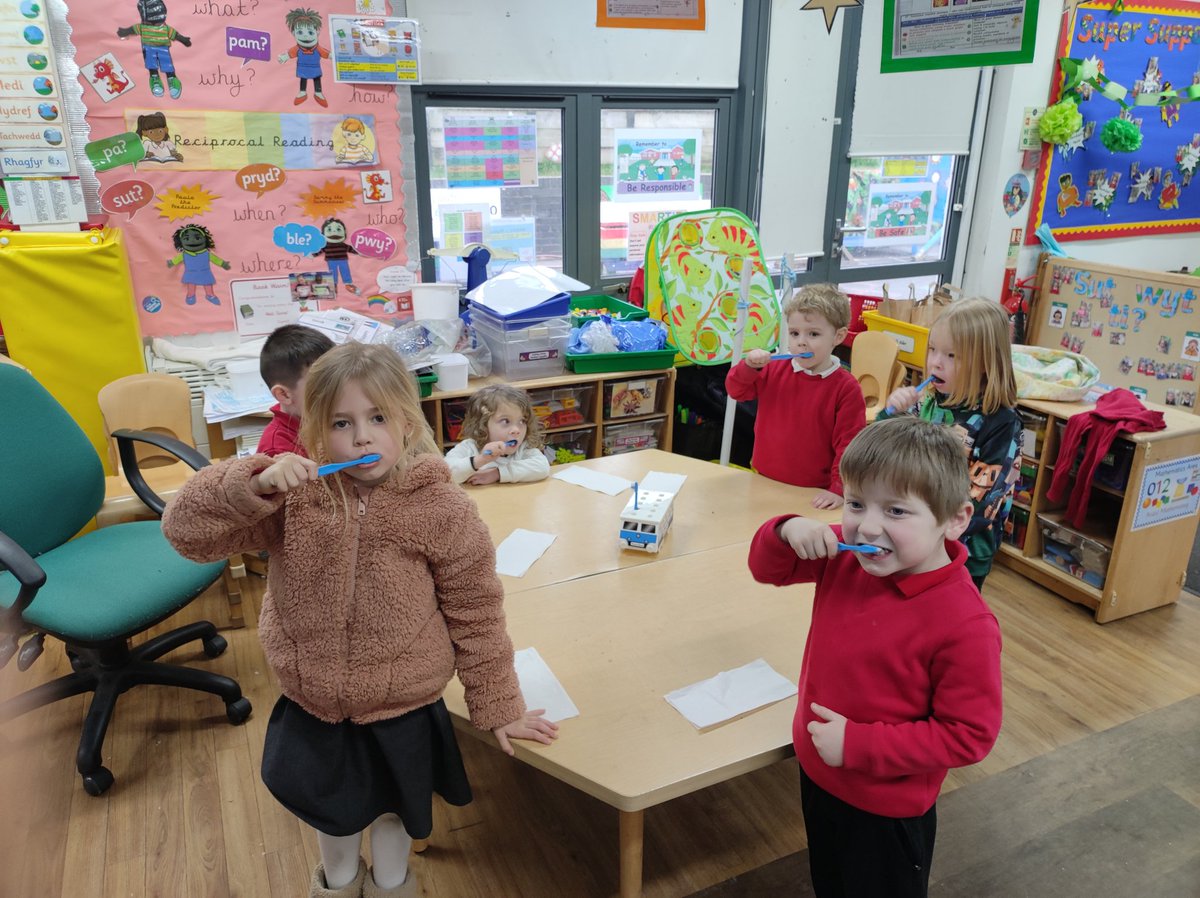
<point>1033,432</point>
<point>1077,554</point>
<point>569,445</point>
<point>913,339</point>
<point>600,362</point>
<point>524,353</point>
<point>618,309</point>
<point>426,378</point>
<point>626,398</point>
<point>1016,526</point>
<point>453,412</point>
<point>619,438</point>
<point>562,406</point>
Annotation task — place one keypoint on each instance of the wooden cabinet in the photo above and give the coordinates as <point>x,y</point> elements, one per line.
<point>590,414</point>
<point>1147,540</point>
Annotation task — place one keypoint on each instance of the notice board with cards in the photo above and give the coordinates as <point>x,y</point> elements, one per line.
<point>1140,328</point>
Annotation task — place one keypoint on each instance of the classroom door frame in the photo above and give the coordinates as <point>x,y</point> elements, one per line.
<point>828,268</point>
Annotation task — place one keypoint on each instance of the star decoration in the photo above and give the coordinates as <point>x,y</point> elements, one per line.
<point>830,8</point>
<point>1074,142</point>
<point>1089,68</point>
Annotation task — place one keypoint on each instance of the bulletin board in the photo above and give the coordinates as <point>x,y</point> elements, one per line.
<point>251,184</point>
<point>1085,192</point>
<point>1140,328</point>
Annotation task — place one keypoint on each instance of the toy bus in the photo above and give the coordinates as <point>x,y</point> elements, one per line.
<point>646,519</point>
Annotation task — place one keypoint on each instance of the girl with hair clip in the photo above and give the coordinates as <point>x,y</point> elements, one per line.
<point>382,585</point>
<point>973,390</point>
<point>502,440</point>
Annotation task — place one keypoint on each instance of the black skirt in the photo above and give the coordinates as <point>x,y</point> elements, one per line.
<point>339,777</point>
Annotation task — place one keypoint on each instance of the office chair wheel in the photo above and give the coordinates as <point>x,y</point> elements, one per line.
<point>238,711</point>
<point>98,782</point>
<point>215,646</point>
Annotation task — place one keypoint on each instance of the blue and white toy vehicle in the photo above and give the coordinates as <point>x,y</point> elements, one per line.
<point>646,520</point>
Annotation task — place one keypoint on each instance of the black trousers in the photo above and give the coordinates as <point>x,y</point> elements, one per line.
<point>855,854</point>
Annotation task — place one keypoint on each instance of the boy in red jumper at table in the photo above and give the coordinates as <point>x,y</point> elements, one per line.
<point>809,406</point>
<point>901,673</point>
<point>284,362</point>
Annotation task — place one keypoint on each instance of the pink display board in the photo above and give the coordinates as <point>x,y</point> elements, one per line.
<point>225,148</point>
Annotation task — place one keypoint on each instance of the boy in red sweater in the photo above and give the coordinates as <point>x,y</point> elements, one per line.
<point>809,406</point>
<point>901,673</point>
<point>284,362</point>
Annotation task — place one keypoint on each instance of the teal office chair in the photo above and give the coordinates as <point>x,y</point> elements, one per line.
<point>97,592</point>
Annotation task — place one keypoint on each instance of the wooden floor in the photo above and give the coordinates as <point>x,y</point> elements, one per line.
<point>188,815</point>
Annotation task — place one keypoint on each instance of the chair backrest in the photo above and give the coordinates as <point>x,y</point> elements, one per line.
<point>159,403</point>
<point>51,480</point>
<point>873,364</point>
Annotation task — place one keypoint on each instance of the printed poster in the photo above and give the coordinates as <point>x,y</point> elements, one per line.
<point>943,34</point>
<point>235,154</point>
<point>487,151</point>
<point>640,226</point>
<point>673,15</point>
<point>375,50</point>
<point>1169,491</point>
<point>899,213</point>
<point>656,163</point>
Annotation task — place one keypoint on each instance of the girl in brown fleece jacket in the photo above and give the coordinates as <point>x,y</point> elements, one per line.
<point>382,584</point>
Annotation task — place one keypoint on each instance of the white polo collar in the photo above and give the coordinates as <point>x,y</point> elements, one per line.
<point>833,365</point>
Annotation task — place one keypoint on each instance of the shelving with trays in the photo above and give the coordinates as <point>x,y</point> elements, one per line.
<point>1069,560</point>
<point>584,399</point>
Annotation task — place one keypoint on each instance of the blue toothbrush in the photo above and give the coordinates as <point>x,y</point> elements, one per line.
<point>506,443</point>
<point>864,548</point>
<point>921,386</point>
<point>795,355</point>
<point>338,465</point>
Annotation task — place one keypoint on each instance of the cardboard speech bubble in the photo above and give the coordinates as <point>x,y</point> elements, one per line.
<point>329,199</point>
<point>395,279</point>
<point>304,240</point>
<point>373,243</point>
<point>128,197</point>
<point>259,177</point>
<point>245,44</point>
<point>114,151</point>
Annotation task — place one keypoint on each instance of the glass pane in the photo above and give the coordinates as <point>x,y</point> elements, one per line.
<point>495,177</point>
<point>653,164</point>
<point>896,210</point>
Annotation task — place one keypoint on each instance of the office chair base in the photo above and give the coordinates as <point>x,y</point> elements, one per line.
<point>110,670</point>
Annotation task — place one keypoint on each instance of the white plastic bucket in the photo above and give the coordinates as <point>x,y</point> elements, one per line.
<point>244,379</point>
<point>435,302</point>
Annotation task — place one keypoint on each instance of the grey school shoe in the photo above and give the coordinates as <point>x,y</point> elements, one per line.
<point>354,889</point>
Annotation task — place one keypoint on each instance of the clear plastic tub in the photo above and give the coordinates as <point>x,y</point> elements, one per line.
<point>631,437</point>
<point>524,353</point>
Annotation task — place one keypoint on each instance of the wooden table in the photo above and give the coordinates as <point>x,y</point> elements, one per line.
<point>620,629</point>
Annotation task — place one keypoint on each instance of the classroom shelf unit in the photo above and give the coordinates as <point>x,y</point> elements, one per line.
<point>1131,554</point>
<point>587,415</point>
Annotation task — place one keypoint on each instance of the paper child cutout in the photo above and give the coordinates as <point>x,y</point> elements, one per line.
<point>336,252</point>
<point>156,37</point>
<point>195,245</point>
<point>353,143</point>
<point>152,129</point>
<point>305,26</point>
<point>1187,157</point>
<point>1141,183</point>
<point>1068,194</point>
<point>1168,197</point>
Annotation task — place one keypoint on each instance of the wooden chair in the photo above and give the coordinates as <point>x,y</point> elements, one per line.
<point>158,403</point>
<point>873,364</point>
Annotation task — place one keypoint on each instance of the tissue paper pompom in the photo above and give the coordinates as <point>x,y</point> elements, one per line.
<point>1059,122</point>
<point>1121,135</point>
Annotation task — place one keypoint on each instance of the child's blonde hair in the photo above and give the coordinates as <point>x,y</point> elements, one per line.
<point>825,300</point>
<point>911,457</point>
<point>485,402</point>
<point>978,331</point>
<point>389,385</point>
<point>352,124</point>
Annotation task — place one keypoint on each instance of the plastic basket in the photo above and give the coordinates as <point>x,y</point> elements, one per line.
<point>912,339</point>
<point>617,308</point>
<point>601,362</point>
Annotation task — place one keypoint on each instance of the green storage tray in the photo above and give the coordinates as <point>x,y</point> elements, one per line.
<point>602,362</point>
<point>426,378</point>
<point>628,311</point>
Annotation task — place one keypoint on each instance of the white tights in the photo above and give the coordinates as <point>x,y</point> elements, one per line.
<point>390,844</point>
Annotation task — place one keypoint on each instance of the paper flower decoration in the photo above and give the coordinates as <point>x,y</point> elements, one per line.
<point>1059,122</point>
<point>1120,135</point>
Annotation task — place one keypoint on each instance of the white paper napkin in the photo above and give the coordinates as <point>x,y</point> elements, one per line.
<point>593,480</point>
<point>661,482</point>
<point>520,550</point>
<point>730,693</point>
<point>541,688</point>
